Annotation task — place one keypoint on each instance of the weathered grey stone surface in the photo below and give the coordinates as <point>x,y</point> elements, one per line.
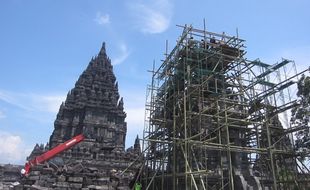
<point>93,107</point>
<point>9,175</point>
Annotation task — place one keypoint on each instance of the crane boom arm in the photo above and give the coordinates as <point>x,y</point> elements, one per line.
<point>52,153</point>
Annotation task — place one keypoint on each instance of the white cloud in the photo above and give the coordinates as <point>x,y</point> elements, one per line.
<point>135,116</point>
<point>11,98</point>
<point>123,55</point>
<point>2,115</point>
<point>300,55</point>
<point>12,149</point>
<point>134,101</point>
<point>102,19</point>
<point>135,124</point>
<point>153,17</point>
<point>50,103</point>
<point>33,102</point>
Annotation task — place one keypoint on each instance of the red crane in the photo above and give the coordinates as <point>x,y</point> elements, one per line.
<point>52,153</point>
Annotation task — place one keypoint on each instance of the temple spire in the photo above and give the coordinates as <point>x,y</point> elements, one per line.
<point>94,98</point>
<point>93,108</point>
<point>102,50</point>
<point>137,147</point>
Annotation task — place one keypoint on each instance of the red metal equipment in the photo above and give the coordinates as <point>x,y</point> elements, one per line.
<point>52,153</point>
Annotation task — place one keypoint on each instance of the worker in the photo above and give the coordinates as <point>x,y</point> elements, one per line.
<point>138,186</point>
<point>212,40</point>
<point>191,42</point>
<point>203,44</point>
<point>223,38</point>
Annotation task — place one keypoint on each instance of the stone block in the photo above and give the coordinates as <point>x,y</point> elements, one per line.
<point>18,187</point>
<point>75,185</point>
<point>39,187</point>
<point>75,179</point>
<point>47,171</point>
<point>51,180</point>
<point>123,188</point>
<point>104,179</point>
<point>60,188</point>
<point>101,187</point>
<point>34,177</point>
<point>62,184</point>
<point>40,183</point>
<point>35,173</point>
<point>61,178</point>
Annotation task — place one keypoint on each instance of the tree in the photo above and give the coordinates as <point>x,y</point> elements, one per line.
<point>301,114</point>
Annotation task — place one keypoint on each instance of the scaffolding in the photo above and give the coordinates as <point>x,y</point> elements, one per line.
<point>216,120</point>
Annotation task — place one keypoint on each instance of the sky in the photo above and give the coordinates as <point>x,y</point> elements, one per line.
<point>46,44</point>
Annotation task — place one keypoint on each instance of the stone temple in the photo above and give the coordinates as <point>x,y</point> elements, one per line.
<point>93,107</point>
